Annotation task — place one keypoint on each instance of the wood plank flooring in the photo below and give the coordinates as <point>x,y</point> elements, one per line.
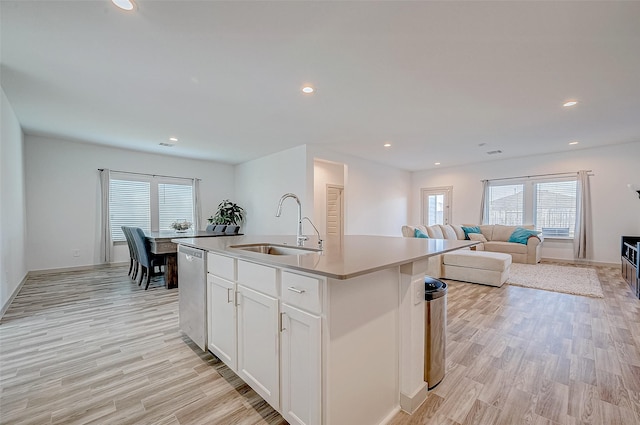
<point>91,347</point>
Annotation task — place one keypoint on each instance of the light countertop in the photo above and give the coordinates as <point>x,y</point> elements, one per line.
<point>341,258</point>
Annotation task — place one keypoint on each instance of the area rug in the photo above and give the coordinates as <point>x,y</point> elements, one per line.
<point>551,277</point>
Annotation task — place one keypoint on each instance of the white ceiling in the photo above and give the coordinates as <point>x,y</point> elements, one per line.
<point>435,79</point>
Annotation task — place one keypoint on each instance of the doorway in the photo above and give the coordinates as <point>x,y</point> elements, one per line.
<point>436,205</point>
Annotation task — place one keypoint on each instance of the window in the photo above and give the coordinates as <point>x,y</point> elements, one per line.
<point>505,204</point>
<point>548,204</point>
<point>175,202</point>
<point>555,208</point>
<point>149,202</point>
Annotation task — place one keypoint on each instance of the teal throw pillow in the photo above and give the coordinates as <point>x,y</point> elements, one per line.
<point>420,234</point>
<point>467,230</point>
<point>521,235</point>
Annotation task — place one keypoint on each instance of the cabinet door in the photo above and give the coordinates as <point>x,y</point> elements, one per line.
<point>221,316</point>
<point>301,366</point>
<point>258,343</point>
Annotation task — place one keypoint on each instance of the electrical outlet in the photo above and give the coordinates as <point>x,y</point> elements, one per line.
<point>75,252</point>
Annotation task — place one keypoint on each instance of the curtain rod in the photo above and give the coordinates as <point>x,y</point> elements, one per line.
<point>538,175</point>
<point>152,175</point>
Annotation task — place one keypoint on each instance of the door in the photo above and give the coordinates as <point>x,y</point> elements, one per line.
<point>436,205</point>
<point>301,367</point>
<point>258,343</point>
<point>222,320</point>
<point>335,210</point>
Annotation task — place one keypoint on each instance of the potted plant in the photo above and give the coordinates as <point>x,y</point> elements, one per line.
<point>228,213</point>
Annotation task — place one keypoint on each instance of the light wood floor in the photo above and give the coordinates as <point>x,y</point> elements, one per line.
<point>91,347</point>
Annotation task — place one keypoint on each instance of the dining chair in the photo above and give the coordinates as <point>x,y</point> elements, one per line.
<point>146,259</point>
<point>133,256</point>
<point>232,230</point>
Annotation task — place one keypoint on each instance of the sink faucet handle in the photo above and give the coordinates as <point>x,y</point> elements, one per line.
<point>316,229</point>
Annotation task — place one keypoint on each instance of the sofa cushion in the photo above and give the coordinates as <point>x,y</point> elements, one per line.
<point>459,232</point>
<point>420,234</point>
<point>502,233</point>
<point>506,247</point>
<point>487,230</point>
<point>477,237</point>
<point>472,229</point>
<point>409,231</point>
<point>478,260</point>
<point>448,232</point>
<point>435,232</point>
<point>521,235</point>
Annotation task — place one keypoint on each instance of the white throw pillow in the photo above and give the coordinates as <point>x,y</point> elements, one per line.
<point>477,237</point>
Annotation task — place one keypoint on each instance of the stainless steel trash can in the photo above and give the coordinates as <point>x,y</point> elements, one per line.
<point>435,296</point>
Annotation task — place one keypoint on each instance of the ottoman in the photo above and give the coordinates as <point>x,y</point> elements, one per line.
<point>487,268</point>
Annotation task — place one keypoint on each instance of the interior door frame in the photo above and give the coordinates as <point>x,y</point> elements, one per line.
<point>447,191</point>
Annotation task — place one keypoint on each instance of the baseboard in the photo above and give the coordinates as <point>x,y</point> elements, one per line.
<point>15,292</point>
<point>581,262</point>
<point>76,268</point>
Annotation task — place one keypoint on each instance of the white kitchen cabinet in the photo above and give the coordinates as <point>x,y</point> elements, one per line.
<point>258,343</point>
<point>301,366</point>
<point>222,319</point>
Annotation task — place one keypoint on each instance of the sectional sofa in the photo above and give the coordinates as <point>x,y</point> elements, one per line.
<point>489,263</point>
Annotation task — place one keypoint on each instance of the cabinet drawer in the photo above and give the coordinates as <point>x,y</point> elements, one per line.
<point>222,266</point>
<point>302,291</point>
<point>258,277</point>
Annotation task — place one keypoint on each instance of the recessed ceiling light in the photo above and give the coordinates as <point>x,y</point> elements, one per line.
<point>123,4</point>
<point>575,142</point>
<point>307,89</point>
<point>173,139</point>
<point>570,103</point>
<point>436,163</point>
<point>386,145</point>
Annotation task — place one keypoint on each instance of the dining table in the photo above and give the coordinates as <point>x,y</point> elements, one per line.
<point>160,244</point>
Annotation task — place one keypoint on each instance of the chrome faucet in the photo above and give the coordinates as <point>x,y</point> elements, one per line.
<point>300,238</point>
<point>316,229</point>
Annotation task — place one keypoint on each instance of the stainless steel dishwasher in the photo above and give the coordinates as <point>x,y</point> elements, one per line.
<point>192,284</point>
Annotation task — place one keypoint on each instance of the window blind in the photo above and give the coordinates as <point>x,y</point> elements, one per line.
<point>175,203</point>
<point>129,205</point>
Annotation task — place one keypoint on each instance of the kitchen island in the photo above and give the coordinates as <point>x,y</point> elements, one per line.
<point>325,337</point>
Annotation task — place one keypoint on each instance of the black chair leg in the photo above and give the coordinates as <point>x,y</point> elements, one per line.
<point>142,272</point>
<point>130,266</point>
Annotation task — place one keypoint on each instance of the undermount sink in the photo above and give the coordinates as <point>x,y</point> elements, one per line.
<point>272,249</point>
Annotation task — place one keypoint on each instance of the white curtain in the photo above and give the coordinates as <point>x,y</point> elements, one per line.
<point>196,204</point>
<point>485,184</point>
<point>582,241</point>
<point>107,245</point>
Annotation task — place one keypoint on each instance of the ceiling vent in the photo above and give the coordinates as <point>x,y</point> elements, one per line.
<point>494,152</point>
<point>169,145</point>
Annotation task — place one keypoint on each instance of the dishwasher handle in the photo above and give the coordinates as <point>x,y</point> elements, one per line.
<point>190,252</point>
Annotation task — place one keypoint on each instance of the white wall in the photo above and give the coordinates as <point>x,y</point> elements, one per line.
<point>376,195</point>
<point>13,227</point>
<point>63,195</point>
<point>616,211</point>
<point>260,184</point>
